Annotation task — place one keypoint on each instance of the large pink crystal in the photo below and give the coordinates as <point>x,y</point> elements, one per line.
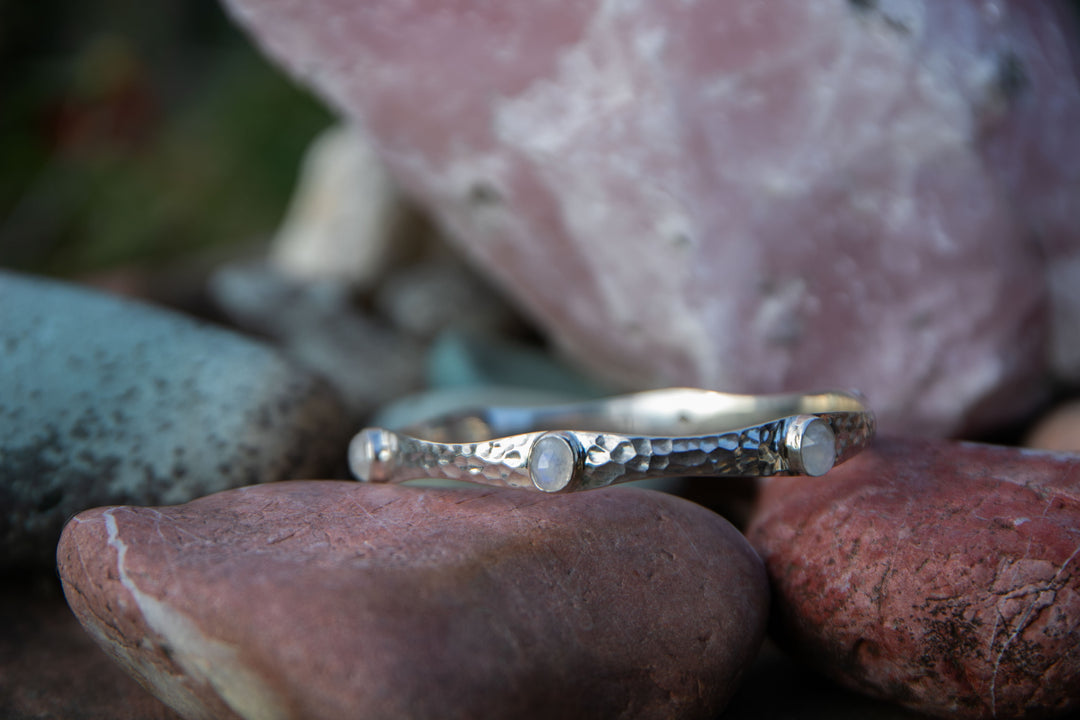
<point>742,195</point>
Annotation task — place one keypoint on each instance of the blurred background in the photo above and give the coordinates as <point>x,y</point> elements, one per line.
<point>144,147</point>
<point>139,134</point>
<point>150,150</point>
<point>135,135</point>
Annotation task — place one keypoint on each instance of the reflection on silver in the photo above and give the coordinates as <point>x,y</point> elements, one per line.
<point>678,432</point>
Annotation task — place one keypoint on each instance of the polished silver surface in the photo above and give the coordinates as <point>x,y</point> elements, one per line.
<point>660,433</point>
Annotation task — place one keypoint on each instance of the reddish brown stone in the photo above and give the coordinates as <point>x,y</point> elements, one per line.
<point>332,599</point>
<point>941,575</point>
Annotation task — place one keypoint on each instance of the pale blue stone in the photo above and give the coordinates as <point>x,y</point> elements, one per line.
<point>108,401</point>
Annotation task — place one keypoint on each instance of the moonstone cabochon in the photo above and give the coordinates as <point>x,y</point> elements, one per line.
<point>740,195</point>
<point>944,576</point>
<point>104,401</point>
<point>817,450</point>
<point>552,462</point>
<point>334,599</point>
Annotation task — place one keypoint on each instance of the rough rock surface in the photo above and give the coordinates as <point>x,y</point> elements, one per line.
<point>50,668</point>
<point>332,599</point>
<point>742,195</point>
<point>944,576</point>
<point>106,401</point>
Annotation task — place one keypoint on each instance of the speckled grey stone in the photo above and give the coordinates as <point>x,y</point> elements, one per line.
<point>105,401</point>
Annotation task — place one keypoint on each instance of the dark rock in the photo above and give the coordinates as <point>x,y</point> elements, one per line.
<point>776,687</point>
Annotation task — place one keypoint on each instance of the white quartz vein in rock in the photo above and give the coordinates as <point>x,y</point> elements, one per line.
<point>205,660</point>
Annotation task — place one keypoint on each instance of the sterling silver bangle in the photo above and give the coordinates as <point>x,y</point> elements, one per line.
<point>679,432</point>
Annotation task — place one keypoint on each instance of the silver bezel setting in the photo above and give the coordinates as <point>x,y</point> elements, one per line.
<point>795,441</point>
<point>571,444</point>
<point>372,454</point>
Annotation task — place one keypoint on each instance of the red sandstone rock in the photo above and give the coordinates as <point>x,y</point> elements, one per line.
<point>333,599</point>
<point>742,195</point>
<point>944,576</point>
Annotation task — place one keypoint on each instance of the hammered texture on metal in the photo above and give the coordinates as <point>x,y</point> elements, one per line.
<point>610,458</point>
<point>502,462</point>
<point>853,432</point>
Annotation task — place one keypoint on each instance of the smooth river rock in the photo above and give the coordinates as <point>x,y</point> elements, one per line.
<point>742,195</point>
<point>106,401</point>
<point>327,599</point>
<point>943,576</point>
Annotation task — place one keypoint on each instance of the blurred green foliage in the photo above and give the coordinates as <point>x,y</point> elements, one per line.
<point>136,133</point>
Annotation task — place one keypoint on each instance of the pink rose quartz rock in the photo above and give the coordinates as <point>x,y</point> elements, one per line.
<point>741,195</point>
<point>333,599</point>
<point>944,576</point>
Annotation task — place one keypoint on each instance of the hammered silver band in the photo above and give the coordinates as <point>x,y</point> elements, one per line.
<point>678,432</point>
